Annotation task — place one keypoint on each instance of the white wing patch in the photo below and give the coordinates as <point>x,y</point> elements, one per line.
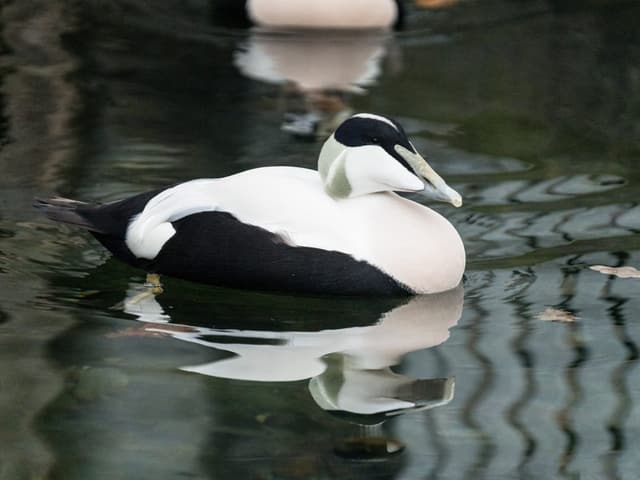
<point>151,229</point>
<point>261,197</point>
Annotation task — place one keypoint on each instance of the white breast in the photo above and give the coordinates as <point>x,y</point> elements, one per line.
<point>408,241</point>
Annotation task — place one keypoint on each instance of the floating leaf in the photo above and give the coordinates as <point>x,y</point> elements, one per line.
<point>622,272</point>
<point>262,417</point>
<point>551,314</point>
<point>169,327</point>
<point>135,332</point>
<point>435,3</point>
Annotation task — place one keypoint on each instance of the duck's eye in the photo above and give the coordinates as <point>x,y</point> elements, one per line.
<point>375,140</point>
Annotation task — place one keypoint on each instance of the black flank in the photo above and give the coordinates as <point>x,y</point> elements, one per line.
<point>216,248</point>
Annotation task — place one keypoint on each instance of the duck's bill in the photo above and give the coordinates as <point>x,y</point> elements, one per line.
<point>444,193</point>
<point>435,187</point>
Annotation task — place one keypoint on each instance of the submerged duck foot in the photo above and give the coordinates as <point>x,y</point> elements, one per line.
<point>153,284</point>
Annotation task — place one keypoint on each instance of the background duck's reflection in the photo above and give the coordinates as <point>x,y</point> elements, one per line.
<point>315,71</point>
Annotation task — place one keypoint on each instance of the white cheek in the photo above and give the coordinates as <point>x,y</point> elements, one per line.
<point>370,169</point>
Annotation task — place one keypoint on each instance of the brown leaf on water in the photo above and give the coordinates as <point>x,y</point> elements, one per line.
<point>622,272</point>
<point>435,3</point>
<point>170,327</point>
<point>551,314</point>
<point>135,332</point>
<point>262,417</point>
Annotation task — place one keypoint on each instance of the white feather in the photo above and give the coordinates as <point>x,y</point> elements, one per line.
<point>151,229</point>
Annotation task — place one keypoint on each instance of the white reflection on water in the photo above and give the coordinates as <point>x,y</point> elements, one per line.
<point>315,72</point>
<point>313,61</point>
<point>349,368</point>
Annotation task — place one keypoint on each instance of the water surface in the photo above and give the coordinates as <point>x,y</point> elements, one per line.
<point>530,109</point>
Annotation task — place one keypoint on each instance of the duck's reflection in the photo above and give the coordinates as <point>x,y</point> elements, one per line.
<point>349,368</point>
<point>316,72</point>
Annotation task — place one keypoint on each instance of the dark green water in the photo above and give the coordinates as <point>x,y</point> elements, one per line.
<point>530,109</point>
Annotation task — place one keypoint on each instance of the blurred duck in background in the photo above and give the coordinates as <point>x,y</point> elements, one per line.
<point>319,52</point>
<point>326,14</point>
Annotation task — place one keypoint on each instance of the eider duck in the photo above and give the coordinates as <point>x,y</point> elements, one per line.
<point>339,230</point>
<point>325,14</point>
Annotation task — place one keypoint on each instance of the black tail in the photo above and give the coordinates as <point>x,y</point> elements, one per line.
<point>106,222</point>
<point>64,210</point>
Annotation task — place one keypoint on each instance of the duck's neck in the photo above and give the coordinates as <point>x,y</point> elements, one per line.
<point>332,169</point>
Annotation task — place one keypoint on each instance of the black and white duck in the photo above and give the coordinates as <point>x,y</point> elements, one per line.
<point>339,230</point>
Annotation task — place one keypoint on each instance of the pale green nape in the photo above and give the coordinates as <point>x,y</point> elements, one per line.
<point>331,166</point>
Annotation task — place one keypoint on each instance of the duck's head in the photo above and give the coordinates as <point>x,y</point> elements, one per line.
<point>370,153</point>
